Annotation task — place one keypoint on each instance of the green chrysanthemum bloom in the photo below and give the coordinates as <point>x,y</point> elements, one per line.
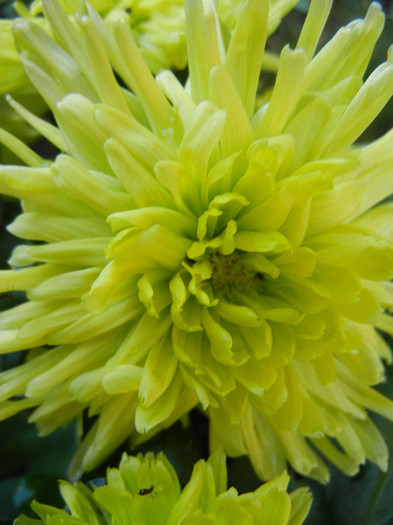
<point>157,25</point>
<point>13,79</point>
<point>12,74</point>
<point>146,490</point>
<point>188,249</point>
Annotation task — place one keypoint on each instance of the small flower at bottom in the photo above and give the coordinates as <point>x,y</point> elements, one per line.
<point>205,500</point>
<point>186,248</point>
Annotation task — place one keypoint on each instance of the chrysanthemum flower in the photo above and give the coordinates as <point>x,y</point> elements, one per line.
<point>158,27</point>
<point>12,74</point>
<point>146,490</point>
<point>14,80</point>
<point>187,249</point>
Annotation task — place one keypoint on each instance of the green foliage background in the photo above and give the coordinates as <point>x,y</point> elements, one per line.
<point>31,465</point>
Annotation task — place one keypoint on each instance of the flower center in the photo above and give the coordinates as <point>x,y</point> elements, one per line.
<point>228,272</point>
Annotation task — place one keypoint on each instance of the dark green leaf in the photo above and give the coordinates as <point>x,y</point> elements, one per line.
<point>30,465</point>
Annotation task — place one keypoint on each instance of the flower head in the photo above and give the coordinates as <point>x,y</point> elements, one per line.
<point>11,72</point>
<point>158,27</point>
<point>13,79</point>
<point>160,501</point>
<point>190,249</point>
